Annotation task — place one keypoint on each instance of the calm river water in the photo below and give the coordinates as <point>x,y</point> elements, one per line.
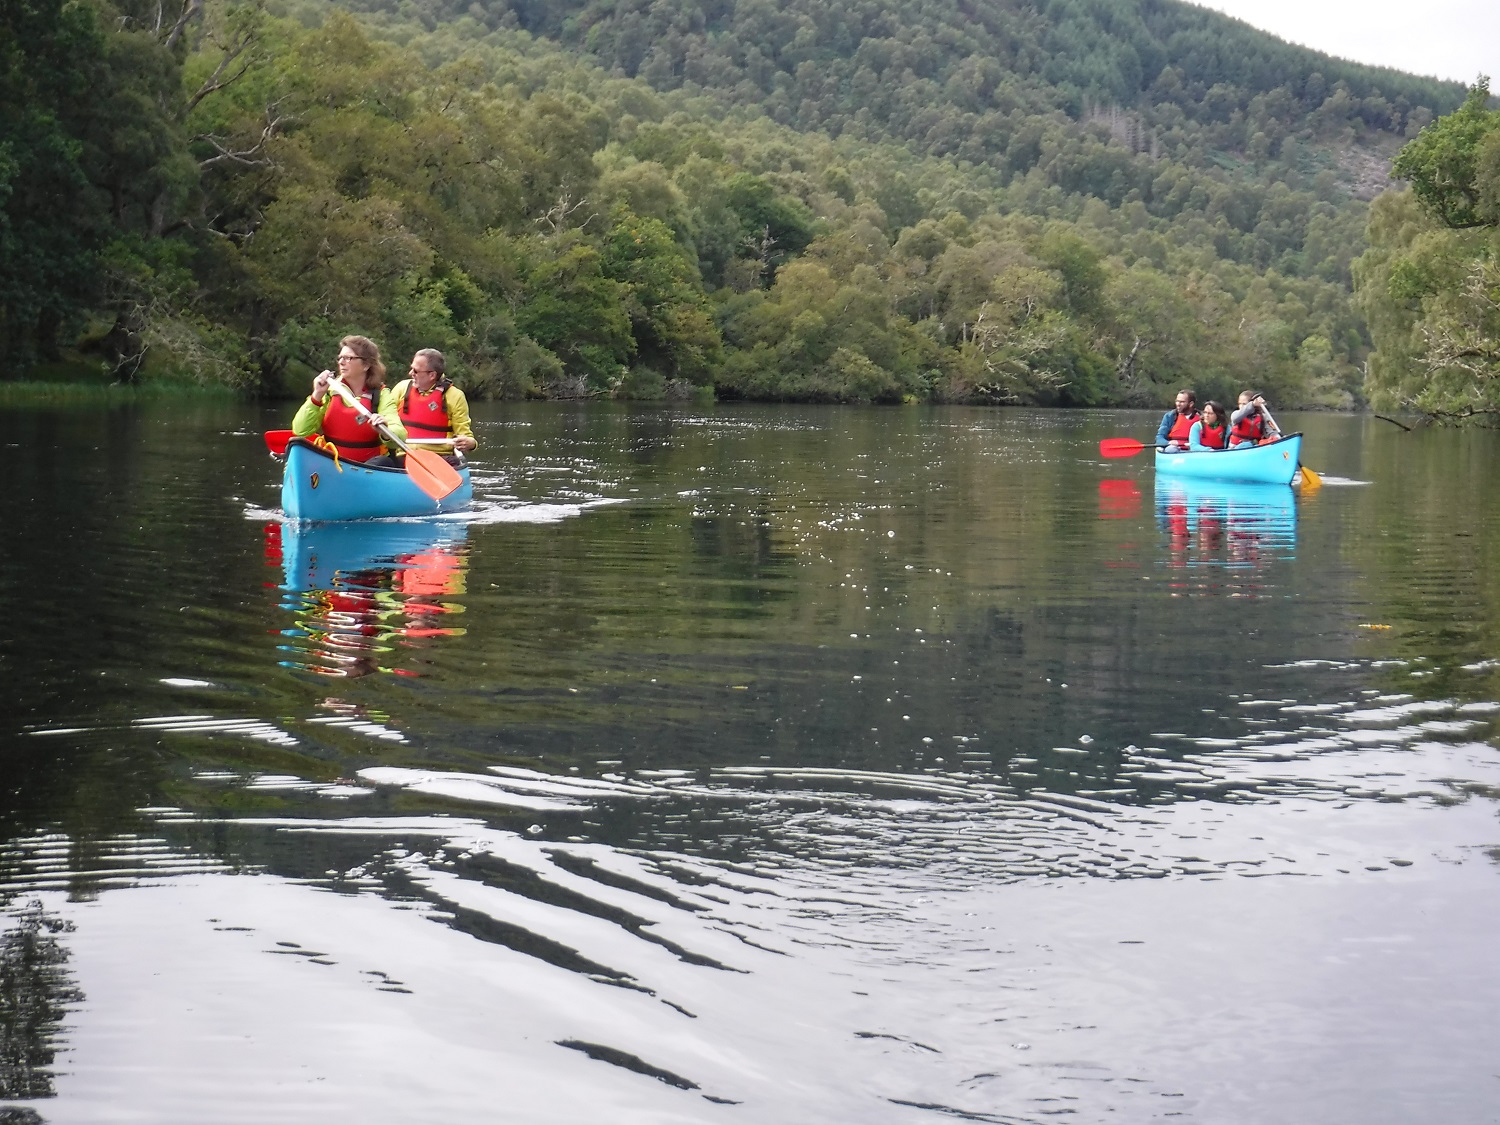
<point>762,765</point>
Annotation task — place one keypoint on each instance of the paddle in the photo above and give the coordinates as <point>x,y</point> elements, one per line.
<point>428,471</point>
<point>1309,478</point>
<point>1120,447</point>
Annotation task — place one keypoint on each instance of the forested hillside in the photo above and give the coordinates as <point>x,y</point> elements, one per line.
<point>1064,203</point>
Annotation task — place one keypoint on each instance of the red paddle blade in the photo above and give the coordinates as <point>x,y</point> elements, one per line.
<point>276,440</point>
<point>1119,447</point>
<point>431,473</point>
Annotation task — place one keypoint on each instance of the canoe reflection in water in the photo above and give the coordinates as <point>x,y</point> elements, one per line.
<point>1231,525</point>
<point>361,591</point>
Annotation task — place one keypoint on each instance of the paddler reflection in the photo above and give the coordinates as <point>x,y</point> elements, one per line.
<point>1231,525</point>
<point>363,591</point>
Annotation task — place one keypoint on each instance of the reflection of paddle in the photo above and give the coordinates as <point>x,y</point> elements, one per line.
<point>428,471</point>
<point>1119,447</point>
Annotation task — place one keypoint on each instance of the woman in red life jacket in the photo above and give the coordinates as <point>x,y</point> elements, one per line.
<point>326,413</point>
<point>1211,431</point>
<point>1251,424</point>
<point>431,408</point>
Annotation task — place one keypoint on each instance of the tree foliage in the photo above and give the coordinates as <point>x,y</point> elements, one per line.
<point>1451,166</point>
<point>1430,282</point>
<point>1063,202</point>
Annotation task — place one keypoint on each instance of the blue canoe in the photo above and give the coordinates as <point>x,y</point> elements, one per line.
<point>315,487</point>
<point>1273,463</point>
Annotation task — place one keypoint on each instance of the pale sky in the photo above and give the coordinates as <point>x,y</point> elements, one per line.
<point>1457,39</point>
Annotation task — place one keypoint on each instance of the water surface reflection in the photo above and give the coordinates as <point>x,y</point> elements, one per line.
<point>359,591</point>
<point>1230,526</point>
<point>799,765</point>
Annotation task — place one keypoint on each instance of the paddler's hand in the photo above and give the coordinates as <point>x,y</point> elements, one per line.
<point>320,387</point>
<point>464,443</point>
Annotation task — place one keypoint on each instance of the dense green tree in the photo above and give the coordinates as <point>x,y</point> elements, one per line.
<point>53,223</point>
<point>1453,163</point>
<point>1429,284</point>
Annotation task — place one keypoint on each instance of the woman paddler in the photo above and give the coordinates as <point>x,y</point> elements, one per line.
<point>327,414</point>
<point>1211,430</point>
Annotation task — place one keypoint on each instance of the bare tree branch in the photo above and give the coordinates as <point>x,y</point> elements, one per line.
<point>255,156</point>
<point>556,217</point>
<point>190,9</point>
<point>238,56</point>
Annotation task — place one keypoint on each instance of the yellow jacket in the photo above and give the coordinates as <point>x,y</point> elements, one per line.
<point>309,416</point>
<point>454,401</point>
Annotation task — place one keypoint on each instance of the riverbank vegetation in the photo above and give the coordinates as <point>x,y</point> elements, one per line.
<point>1430,282</point>
<point>1022,202</point>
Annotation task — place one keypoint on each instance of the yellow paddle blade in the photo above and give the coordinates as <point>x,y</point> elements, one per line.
<point>1310,479</point>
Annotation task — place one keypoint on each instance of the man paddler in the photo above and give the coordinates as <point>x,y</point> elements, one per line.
<point>433,410</point>
<point>1177,423</point>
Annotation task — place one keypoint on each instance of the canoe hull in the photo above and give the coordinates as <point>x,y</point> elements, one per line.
<point>1273,463</point>
<point>314,487</point>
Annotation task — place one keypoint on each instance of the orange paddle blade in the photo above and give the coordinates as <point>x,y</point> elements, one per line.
<point>431,473</point>
<point>1119,447</point>
<point>276,440</point>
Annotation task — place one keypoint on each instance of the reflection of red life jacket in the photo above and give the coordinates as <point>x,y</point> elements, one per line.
<point>355,438</point>
<point>1251,428</point>
<point>426,413</point>
<point>431,572</point>
<point>1177,528</point>
<point>1213,439</point>
<point>1181,427</point>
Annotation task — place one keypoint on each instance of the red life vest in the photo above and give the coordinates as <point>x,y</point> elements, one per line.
<point>1250,428</point>
<point>426,413</point>
<point>1181,428</point>
<point>1212,438</point>
<point>347,429</point>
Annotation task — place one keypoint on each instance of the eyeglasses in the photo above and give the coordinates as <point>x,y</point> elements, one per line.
<point>421,371</point>
<point>350,358</point>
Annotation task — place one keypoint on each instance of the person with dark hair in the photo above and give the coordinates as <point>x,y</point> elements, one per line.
<point>326,413</point>
<point>1211,431</point>
<point>433,410</point>
<point>1252,423</point>
<point>1172,434</point>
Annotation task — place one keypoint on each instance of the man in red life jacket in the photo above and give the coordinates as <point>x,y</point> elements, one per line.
<point>1251,424</point>
<point>432,409</point>
<point>1172,434</point>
